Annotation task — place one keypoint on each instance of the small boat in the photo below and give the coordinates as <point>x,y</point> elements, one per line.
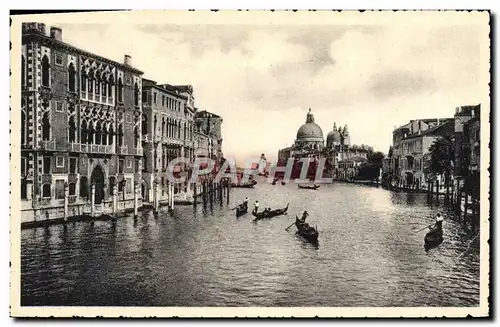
<point>309,187</point>
<point>246,185</point>
<point>283,183</point>
<point>269,214</point>
<point>433,238</point>
<point>241,210</point>
<point>306,231</point>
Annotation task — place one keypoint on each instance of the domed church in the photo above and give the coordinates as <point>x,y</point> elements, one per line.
<point>342,157</point>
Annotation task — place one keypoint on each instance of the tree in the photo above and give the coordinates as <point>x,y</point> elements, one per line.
<point>441,157</point>
<point>371,169</point>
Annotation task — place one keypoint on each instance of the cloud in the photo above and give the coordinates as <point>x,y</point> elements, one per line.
<point>262,79</point>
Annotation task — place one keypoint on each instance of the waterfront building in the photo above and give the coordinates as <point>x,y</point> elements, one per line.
<point>80,117</point>
<point>410,150</point>
<point>209,129</point>
<point>342,158</point>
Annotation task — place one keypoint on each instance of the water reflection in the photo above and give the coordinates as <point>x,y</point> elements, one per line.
<point>370,255</point>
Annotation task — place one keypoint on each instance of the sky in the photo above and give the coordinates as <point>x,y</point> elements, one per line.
<point>262,79</point>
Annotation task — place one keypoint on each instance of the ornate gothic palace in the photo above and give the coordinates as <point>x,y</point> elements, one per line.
<point>93,131</point>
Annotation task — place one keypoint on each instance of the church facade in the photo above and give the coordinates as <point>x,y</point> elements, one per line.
<point>342,157</point>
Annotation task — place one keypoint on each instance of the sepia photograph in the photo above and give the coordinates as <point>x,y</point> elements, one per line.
<point>250,164</point>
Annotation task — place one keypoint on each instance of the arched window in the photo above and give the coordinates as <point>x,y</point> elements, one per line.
<point>136,137</point>
<point>72,78</point>
<point>110,135</point>
<point>90,134</point>
<point>23,71</point>
<point>120,135</point>
<point>71,189</point>
<point>84,132</point>
<point>23,127</point>
<point>72,130</point>
<point>104,88</point>
<point>120,90</point>
<point>136,94</point>
<point>83,84</point>
<point>84,187</point>
<point>91,83</point>
<point>104,137</point>
<point>98,133</point>
<point>46,191</point>
<point>46,127</point>
<point>144,124</point>
<point>97,86</point>
<point>110,87</point>
<point>45,71</point>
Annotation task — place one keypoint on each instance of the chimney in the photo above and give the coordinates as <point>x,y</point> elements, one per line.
<point>127,60</point>
<point>438,122</point>
<point>472,112</point>
<point>56,33</point>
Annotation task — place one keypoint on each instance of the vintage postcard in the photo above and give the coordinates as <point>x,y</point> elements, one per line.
<point>250,164</point>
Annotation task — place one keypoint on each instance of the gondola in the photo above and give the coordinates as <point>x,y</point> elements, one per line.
<point>433,238</point>
<point>241,210</point>
<point>309,187</point>
<point>306,231</point>
<point>283,183</point>
<point>270,214</point>
<point>246,185</point>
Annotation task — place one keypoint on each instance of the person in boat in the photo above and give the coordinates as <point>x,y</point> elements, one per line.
<point>304,216</point>
<point>266,211</point>
<point>256,206</point>
<point>245,203</point>
<point>439,223</point>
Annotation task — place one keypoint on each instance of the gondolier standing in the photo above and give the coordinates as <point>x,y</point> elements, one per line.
<point>256,206</point>
<point>439,222</point>
<point>304,216</point>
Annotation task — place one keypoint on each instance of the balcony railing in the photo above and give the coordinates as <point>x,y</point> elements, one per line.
<point>122,149</point>
<point>91,148</point>
<point>171,140</point>
<point>49,145</point>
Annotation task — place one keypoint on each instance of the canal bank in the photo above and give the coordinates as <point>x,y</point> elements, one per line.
<point>205,256</point>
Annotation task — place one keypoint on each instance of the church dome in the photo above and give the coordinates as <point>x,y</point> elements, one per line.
<point>310,131</point>
<point>333,136</point>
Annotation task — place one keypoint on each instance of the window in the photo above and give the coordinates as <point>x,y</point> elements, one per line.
<point>120,90</point>
<point>45,71</point>
<point>136,95</point>
<point>144,124</point>
<point>104,88</point>
<point>23,166</point>
<point>59,162</point>
<point>23,71</point>
<point>129,163</point>
<point>83,85</point>
<point>72,78</point>
<point>110,89</point>
<point>137,164</point>
<point>46,165</point>
<point>23,127</point>
<point>72,130</point>
<point>121,164</point>
<point>120,135</point>
<point>154,97</point>
<point>72,189</point>
<point>144,96</point>
<point>112,186</point>
<point>120,186</point>
<point>59,189</point>
<point>72,165</point>
<point>128,80</point>
<point>128,185</point>
<point>91,85</point>
<point>59,106</point>
<point>46,191</point>
<point>136,137</point>
<point>111,133</point>
<point>59,59</point>
<point>84,187</point>
<point>97,87</point>
<point>163,100</point>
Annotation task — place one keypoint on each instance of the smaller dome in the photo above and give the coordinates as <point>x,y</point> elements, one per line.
<point>333,137</point>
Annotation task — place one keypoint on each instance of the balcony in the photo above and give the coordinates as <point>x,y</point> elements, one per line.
<point>48,145</point>
<point>122,149</point>
<point>171,140</point>
<point>91,148</point>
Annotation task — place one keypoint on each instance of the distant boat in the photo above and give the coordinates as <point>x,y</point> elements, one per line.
<point>245,185</point>
<point>306,231</point>
<point>241,210</point>
<point>309,187</point>
<point>269,214</point>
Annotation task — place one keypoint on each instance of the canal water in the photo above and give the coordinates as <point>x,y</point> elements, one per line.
<point>369,254</point>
